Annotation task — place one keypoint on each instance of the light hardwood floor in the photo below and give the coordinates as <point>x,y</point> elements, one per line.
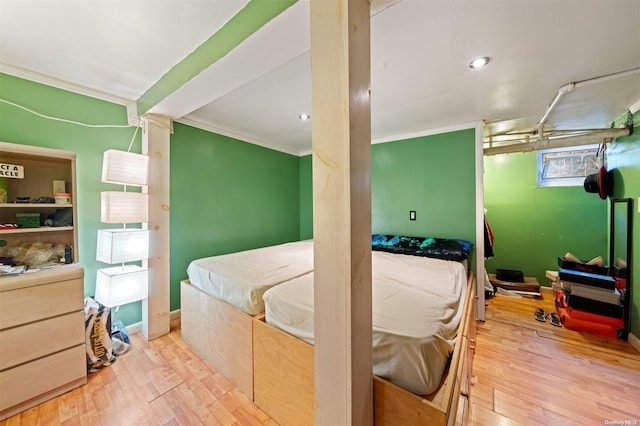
<point>531,373</point>
<point>161,382</point>
<point>525,373</point>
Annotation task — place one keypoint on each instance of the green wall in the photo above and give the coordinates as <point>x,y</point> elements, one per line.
<point>433,175</point>
<point>226,195</point>
<point>22,127</point>
<point>624,165</point>
<point>532,225</point>
<point>306,198</point>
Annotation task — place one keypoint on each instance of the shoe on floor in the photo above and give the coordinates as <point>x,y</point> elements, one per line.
<point>540,315</point>
<point>555,319</point>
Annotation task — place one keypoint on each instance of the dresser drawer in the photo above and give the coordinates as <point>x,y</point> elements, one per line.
<point>37,339</point>
<point>34,303</point>
<point>39,377</point>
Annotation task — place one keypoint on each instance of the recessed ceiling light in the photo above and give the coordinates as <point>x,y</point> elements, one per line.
<point>479,62</point>
<point>304,116</point>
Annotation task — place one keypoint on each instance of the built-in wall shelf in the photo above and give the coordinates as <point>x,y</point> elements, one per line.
<point>38,173</point>
<point>36,230</point>
<point>34,205</point>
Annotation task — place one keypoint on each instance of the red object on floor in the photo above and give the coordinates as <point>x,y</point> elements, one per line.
<point>573,319</point>
<point>560,302</point>
<point>587,326</point>
<point>600,319</point>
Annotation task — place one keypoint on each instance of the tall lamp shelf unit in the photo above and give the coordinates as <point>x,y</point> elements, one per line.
<point>42,334</point>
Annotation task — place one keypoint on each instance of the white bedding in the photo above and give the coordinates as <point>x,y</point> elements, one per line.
<point>417,306</point>
<point>241,278</point>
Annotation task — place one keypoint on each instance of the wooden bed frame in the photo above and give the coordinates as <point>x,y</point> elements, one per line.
<point>221,333</point>
<point>283,369</point>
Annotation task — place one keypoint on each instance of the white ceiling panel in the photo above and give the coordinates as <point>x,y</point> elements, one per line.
<point>119,47</point>
<point>253,58</point>
<point>420,51</point>
<point>266,109</point>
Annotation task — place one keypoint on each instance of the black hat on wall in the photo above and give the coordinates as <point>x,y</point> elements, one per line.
<point>600,183</point>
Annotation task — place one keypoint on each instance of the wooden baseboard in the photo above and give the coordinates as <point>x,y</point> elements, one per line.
<point>137,326</point>
<point>634,341</point>
<point>547,290</point>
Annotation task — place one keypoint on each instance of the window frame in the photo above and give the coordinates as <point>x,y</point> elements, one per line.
<point>566,181</point>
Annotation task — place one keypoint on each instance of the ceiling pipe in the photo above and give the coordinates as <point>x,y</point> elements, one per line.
<point>561,92</point>
<point>506,137</point>
<point>574,85</point>
<point>606,135</point>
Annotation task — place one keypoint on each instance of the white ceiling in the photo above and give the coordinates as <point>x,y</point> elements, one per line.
<point>420,51</point>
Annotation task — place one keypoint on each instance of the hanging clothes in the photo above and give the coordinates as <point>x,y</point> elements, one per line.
<point>488,239</point>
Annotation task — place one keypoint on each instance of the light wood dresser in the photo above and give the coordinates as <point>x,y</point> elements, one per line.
<point>42,336</point>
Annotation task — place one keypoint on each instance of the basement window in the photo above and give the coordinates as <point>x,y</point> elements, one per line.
<point>568,166</point>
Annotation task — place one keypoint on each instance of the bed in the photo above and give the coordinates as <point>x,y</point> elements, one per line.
<point>423,333</point>
<point>223,293</point>
<point>417,306</point>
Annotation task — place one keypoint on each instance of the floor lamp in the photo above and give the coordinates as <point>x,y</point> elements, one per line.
<point>126,283</point>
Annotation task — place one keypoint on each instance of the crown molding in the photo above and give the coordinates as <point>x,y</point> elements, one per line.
<point>236,135</point>
<point>422,133</point>
<point>48,80</point>
<point>426,132</point>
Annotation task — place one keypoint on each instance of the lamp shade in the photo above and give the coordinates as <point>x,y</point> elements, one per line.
<point>122,245</point>
<point>124,207</point>
<point>121,285</point>
<point>126,168</point>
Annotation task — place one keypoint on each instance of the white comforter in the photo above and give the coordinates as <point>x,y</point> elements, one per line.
<point>241,278</point>
<point>417,306</point>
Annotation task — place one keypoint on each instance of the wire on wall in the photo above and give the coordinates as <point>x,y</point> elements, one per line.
<point>132,139</point>
<point>64,120</point>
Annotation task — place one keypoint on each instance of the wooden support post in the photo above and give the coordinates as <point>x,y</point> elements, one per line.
<point>341,132</point>
<point>480,249</point>
<point>155,144</point>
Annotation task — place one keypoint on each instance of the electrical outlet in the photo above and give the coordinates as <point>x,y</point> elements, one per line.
<point>412,215</point>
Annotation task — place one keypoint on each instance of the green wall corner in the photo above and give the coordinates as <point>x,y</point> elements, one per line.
<point>433,175</point>
<point>533,225</point>
<point>624,163</point>
<point>226,195</point>
<point>21,127</point>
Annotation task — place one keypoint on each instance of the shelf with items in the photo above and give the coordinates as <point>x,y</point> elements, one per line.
<point>592,296</point>
<point>36,230</point>
<point>33,205</point>
<point>45,214</point>
<point>37,174</point>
